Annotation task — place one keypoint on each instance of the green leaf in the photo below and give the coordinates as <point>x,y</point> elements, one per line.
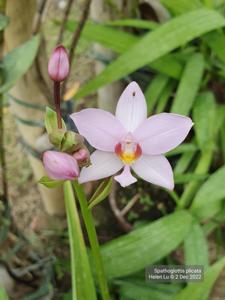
<point>154,90</point>
<point>189,85</point>
<point>181,6</point>
<point>183,148</point>
<point>216,41</point>
<point>18,61</point>
<point>204,115</point>
<point>4,20</point>
<point>165,96</point>
<point>136,23</point>
<point>101,193</point>
<point>3,294</point>
<point>196,248</point>
<point>187,177</point>
<point>154,45</point>
<point>116,40</point>
<point>210,195</point>
<point>146,245</point>
<point>82,280</point>
<point>137,289</point>
<point>50,183</point>
<point>120,41</point>
<point>201,290</point>
<point>184,162</point>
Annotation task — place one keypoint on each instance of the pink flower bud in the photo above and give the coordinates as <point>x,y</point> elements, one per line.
<point>81,154</point>
<point>58,65</point>
<point>59,165</point>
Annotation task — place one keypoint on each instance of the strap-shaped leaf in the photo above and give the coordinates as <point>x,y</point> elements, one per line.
<point>154,45</point>
<point>204,115</point>
<point>82,280</point>
<point>189,85</point>
<point>120,41</point>
<point>208,199</point>
<point>154,90</point>
<point>196,248</point>
<point>18,61</point>
<point>201,290</point>
<point>144,246</point>
<point>181,6</point>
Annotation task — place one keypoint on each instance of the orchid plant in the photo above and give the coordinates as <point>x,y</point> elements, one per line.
<point>128,141</point>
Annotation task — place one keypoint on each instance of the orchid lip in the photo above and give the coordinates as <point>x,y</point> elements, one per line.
<point>128,151</point>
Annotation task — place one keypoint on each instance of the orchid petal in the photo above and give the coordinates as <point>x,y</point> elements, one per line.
<point>131,109</point>
<point>125,178</point>
<point>163,132</point>
<point>104,164</point>
<point>60,165</point>
<point>155,169</point>
<point>100,128</point>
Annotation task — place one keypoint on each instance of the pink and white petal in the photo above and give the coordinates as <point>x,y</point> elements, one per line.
<point>104,164</point>
<point>131,109</point>
<point>100,128</point>
<point>125,178</point>
<point>163,132</point>
<point>155,169</point>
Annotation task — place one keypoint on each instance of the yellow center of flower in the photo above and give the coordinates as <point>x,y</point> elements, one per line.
<point>128,151</point>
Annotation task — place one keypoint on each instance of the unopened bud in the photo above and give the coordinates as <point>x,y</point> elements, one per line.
<point>60,166</point>
<point>82,156</point>
<point>58,65</point>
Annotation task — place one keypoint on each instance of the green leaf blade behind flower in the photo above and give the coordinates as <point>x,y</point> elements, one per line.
<point>18,61</point>
<point>189,85</point>
<point>204,117</point>
<point>208,200</point>
<point>167,37</point>
<point>146,245</point>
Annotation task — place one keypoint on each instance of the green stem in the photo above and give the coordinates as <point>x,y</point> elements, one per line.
<point>72,216</point>
<point>82,281</point>
<point>192,187</point>
<point>92,235</point>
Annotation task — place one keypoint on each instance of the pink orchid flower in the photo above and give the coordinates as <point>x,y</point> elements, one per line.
<point>130,140</point>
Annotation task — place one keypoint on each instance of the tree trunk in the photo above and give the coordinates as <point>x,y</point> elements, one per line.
<point>31,88</point>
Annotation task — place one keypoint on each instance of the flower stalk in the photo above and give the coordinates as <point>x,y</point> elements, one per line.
<point>57,103</point>
<point>92,235</point>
